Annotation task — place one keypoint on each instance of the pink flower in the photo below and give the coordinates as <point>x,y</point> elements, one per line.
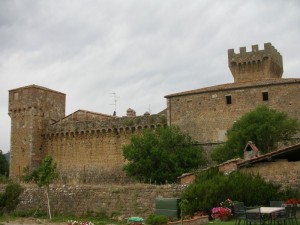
<point>221,212</point>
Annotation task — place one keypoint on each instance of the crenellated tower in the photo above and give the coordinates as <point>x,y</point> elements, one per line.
<point>31,109</point>
<point>255,65</point>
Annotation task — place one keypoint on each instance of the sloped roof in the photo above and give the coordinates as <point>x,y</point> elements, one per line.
<point>36,87</point>
<point>240,85</point>
<point>252,146</point>
<point>292,152</point>
<point>96,116</point>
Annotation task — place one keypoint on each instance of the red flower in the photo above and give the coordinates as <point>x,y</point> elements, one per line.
<point>291,201</point>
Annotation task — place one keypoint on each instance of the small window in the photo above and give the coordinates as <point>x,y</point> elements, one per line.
<point>16,96</point>
<point>228,99</point>
<point>189,103</point>
<point>265,96</point>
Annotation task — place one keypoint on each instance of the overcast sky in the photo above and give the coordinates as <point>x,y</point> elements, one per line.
<point>140,49</point>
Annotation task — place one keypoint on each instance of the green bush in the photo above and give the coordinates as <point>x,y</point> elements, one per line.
<point>2,200</point>
<point>2,204</point>
<point>156,220</point>
<point>10,198</point>
<point>4,179</point>
<point>213,187</point>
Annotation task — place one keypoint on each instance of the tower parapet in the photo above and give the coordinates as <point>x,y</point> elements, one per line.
<point>255,65</point>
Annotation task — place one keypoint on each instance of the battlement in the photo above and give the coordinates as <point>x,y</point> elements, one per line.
<point>114,125</point>
<point>256,64</point>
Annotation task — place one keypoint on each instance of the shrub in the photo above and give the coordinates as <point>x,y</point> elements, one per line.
<point>212,187</point>
<point>10,198</point>
<point>156,220</point>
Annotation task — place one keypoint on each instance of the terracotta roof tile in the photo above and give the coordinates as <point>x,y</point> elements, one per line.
<point>240,85</point>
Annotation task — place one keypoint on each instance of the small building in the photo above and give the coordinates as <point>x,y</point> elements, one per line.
<point>281,166</point>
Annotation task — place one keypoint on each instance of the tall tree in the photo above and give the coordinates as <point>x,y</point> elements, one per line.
<point>161,155</point>
<point>4,165</point>
<point>263,126</point>
<point>43,176</point>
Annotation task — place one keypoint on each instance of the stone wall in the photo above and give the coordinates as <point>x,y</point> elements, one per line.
<point>89,158</point>
<point>282,172</point>
<point>279,172</point>
<point>256,64</point>
<point>119,201</point>
<point>92,151</point>
<point>206,115</point>
<point>31,108</point>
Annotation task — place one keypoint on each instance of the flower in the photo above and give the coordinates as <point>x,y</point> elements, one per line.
<point>74,222</point>
<point>221,212</point>
<point>291,201</point>
<point>227,203</point>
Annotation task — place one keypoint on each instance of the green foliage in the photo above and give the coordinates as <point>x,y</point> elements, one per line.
<point>4,165</point>
<point>161,155</point>
<point>213,187</point>
<point>10,198</point>
<point>263,126</point>
<point>156,220</point>
<point>29,213</point>
<point>4,179</point>
<point>43,175</point>
<point>289,193</point>
<point>183,205</point>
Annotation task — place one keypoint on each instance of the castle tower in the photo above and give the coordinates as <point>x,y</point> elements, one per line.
<point>255,65</point>
<point>31,109</point>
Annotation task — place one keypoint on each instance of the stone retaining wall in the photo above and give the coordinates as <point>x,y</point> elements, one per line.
<point>115,201</point>
<point>280,172</point>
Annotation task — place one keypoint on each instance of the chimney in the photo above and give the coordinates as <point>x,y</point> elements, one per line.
<point>130,113</point>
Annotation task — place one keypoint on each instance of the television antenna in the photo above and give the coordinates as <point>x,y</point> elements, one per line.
<point>115,99</point>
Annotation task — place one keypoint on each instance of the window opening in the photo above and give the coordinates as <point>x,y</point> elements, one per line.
<point>228,99</point>
<point>265,96</point>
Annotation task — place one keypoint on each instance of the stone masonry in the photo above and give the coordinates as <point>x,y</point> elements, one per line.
<point>86,146</point>
<point>207,113</point>
<point>282,172</point>
<point>255,65</point>
<point>116,201</point>
<point>31,109</point>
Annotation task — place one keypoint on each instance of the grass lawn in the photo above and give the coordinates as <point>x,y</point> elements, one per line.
<point>219,222</point>
<point>96,221</point>
<point>231,222</point>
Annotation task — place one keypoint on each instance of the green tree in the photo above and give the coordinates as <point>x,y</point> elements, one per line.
<point>43,176</point>
<point>4,165</point>
<point>263,126</point>
<point>161,155</point>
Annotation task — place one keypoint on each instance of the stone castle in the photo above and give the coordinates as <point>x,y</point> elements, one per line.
<point>87,146</point>
<point>207,113</point>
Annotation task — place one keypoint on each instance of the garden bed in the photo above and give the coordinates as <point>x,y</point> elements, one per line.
<point>195,221</point>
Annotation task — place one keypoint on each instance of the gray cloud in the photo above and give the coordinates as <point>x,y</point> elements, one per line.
<point>142,50</point>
